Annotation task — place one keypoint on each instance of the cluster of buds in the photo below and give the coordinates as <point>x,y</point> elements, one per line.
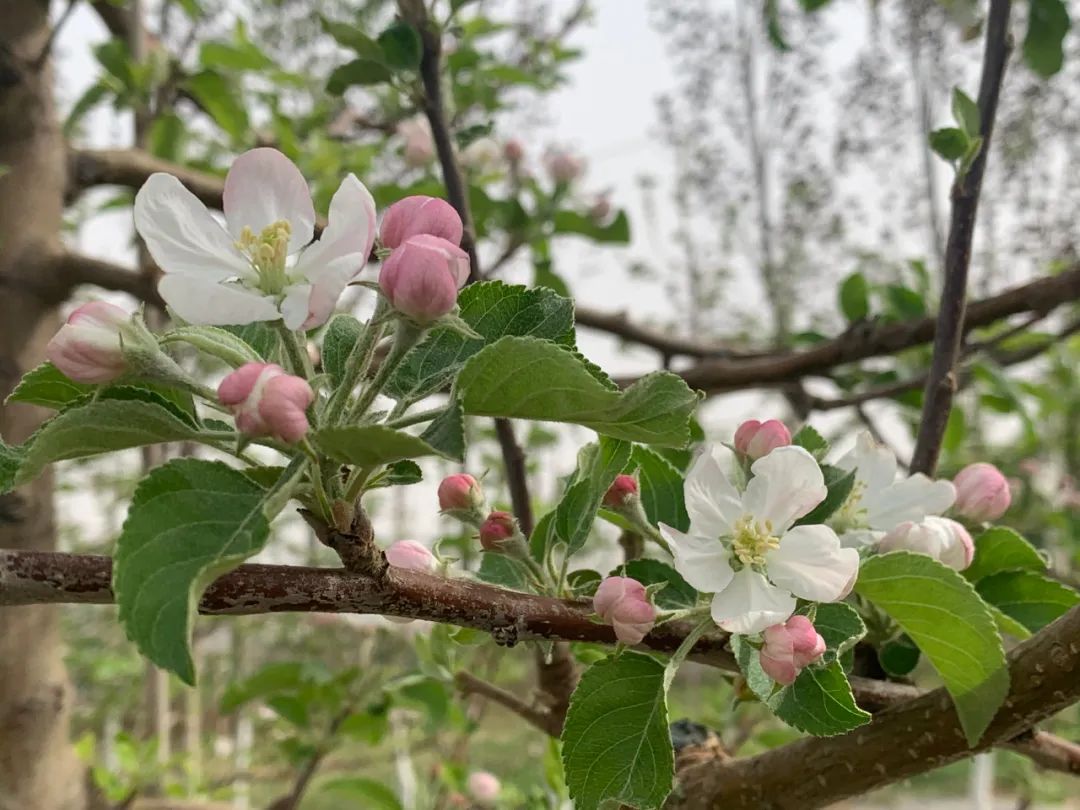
<point>266,401</point>
<point>789,648</point>
<point>982,493</point>
<point>624,603</point>
<point>754,439</point>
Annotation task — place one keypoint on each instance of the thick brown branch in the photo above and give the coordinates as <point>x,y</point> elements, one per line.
<point>941,382</point>
<point>130,168</point>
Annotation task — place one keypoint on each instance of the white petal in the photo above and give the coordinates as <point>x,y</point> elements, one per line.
<point>811,564</point>
<point>859,538</point>
<point>909,499</point>
<point>350,231</point>
<point>875,463</point>
<point>787,484</point>
<point>181,235</point>
<point>712,501</point>
<point>702,561</point>
<point>209,303</point>
<point>294,306</point>
<point>751,603</point>
<point>262,187</point>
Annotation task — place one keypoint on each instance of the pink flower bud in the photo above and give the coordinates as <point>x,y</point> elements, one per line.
<point>410,555</point>
<point>624,603</point>
<point>622,490</point>
<point>416,215</point>
<point>982,493</point>
<point>755,439</point>
<point>267,402</point>
<point>789,648</point>
<point>600,210</point>
<point>945,540</point>
<point>513,151</point>
<point>496,530</point>
<point>460,491</point>
<point>484,787</point>
<point>87,349</point>
<point>421,278</point>
<point>564,167</point>
<point>419,148</point>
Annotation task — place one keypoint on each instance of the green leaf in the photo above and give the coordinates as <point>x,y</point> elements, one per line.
<point>1027,597</point>
<point>341,336</point>
<point>216,342</point>
<point>527,378</point>
<point>839,483</point>
<point>811,441</point>
<point>616,744</point>
<point>999,549</point>
<point>677,594</point>
<point>273,679</point>
<point>352,38</point>
<point>841,627</point>
<point>1048,23</point>
<point>598,464</point>
<point>47,386</point>
<point>260,337</point>
<point>370,445</point>
<point>661,488</point>
<point>819,702</point>
<point>446,432</point>
<point>400,473</point>
<point>945,617</point>
<point>101,427</point>
<point>218,97</point>
<point>10,461</point>
<point>899,657</point>
<point>94,95</point>
<point>363,792</point>
<point>190,521</point>
<point>500,570</point>
<point>233,57</point>
<point>401,46</point>
<point>363,72</point>
<point>494,310</point>
<point>855,297</point>
<point>905,303</point>
<point>616,232</point>
<point>966,113</point>
<point>950,143</point>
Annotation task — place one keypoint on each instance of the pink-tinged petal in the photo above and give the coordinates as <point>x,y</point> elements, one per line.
<point>418,215</point>
<point>713,503</point>
<point>348,236</point>
<point>702,561</point>
<point>911,499</point>
<point>811,564</point>
<point>633,620</point>
<point>239,385</point>
<point>875,463</point>
<point>982,492</point>
<point>787,484</point>
<point>283,405</point>
<point>182,235</point>
<point>750,604</point>
<point>295,306</point>
<point>410,555</point>
<point>457,259</point>
<point>210,303</point>
<point>325,291</point>
<point>263,187</point>
<point>804,656</point>
<point>418,279</point>
<point>959,550</point>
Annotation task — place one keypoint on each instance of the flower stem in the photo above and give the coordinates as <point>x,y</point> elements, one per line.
<point>684,649</point>
<point>299,361</point>
<point>414,418</point>
<point>357,364</point>
<point>406,336</point>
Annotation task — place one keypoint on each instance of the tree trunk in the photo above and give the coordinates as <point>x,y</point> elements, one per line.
<point>38,768</point>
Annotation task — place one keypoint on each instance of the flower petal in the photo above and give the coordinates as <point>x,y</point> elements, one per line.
<point>811,564</point>
<point>702,561</point>
<point>294,306</point>
<point>349,232</point>
<point>263,187</point>
<point>712,501</point>
<point>751,603</point>
<point>787,484</point>
<point>181,235</point>
<point>875,463</point>
<point>209,303</point>
<point>909,499</point>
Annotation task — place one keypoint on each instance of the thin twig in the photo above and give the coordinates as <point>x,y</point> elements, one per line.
<point>537,717</point>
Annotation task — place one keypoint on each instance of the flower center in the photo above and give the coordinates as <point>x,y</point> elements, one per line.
<point>752,540</point>
<point>267,253</point>
<point>852,515</point>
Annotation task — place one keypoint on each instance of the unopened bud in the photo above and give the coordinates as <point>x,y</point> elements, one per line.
<point>982,492</point>
<point>411,555</point>
<point>421,278</point>
<point>418,214</point>
<point>267,402</point>
<point>623,490</point>
<point>789,648</point>
<point>497,531</point>
<point>624,603</point>
<point>484,787</point>
<point>756,439</point>
<point>600,210</point>
<point>945,540</point>
<point>460,492</point>
<point>513,151</point>
<point>564,167</point>
<point>88,348</point>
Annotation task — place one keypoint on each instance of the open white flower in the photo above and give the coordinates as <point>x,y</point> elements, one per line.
<point>743,548</point>
<point>261,268</point>
<point>879,501</point>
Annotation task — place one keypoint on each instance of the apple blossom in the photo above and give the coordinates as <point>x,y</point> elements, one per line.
<point>564,167</point>
<point>418,214</point>
<point>411,555</point>
<point>260,267</point>
<point>484,787</point>
<point>744,547</point>
<point>419,148</point>
<point>755,439</point>
<point>982,493</point>
<point>622,490</point>
<point>460,491</point>
<point>789,648</point>
<point>879,501</point>
<point>513,151</point>
<point>421,278</point>
<point>88,348</point>
<point>624,603</point>
<point>482,155</point>
<point>267,402</point>
<point>945,540</point>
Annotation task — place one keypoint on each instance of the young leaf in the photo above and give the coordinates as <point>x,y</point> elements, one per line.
<point>1048,23</point>
<point>615,232</point>
<point>811,441</point>
<point>1027,597</point>
<point>190,521</point>
<point>47,386</point>
<point>362,72</point>
<point>839,483</point>
<point>598,464</point>
<point>10,461</point>
<point>338,342</point>
<point>677,594</point>
<point>841,627</point>
<point>399,473</point>
<point>527,378</point>
<point>999,549</point>
<point>500,570</point>
<point>950,143</point>
<point>217,342</point>
<point>616,743</point>
<point>362,792</point>
<point>446,432</point>
<point>661,488</point>
<point>353,38</point>
<point>954,628</point>
<point>855,297</point>
<point>966,113</point>
<point>401,46</point>
<point>218,97</point>
<point>370,445</point>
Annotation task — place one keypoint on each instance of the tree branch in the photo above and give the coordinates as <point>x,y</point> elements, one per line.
<point>542,719</point>
<point>130,168</point>
<point>941,382</point>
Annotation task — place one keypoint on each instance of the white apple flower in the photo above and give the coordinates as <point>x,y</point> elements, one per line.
<point>261,267</point>
<point>879,500</point>
<point>743,548</point>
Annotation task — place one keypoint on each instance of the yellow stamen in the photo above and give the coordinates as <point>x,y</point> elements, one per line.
<point>752,540</point>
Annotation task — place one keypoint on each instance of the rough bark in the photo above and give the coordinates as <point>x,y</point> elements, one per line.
<point>38,769</point>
